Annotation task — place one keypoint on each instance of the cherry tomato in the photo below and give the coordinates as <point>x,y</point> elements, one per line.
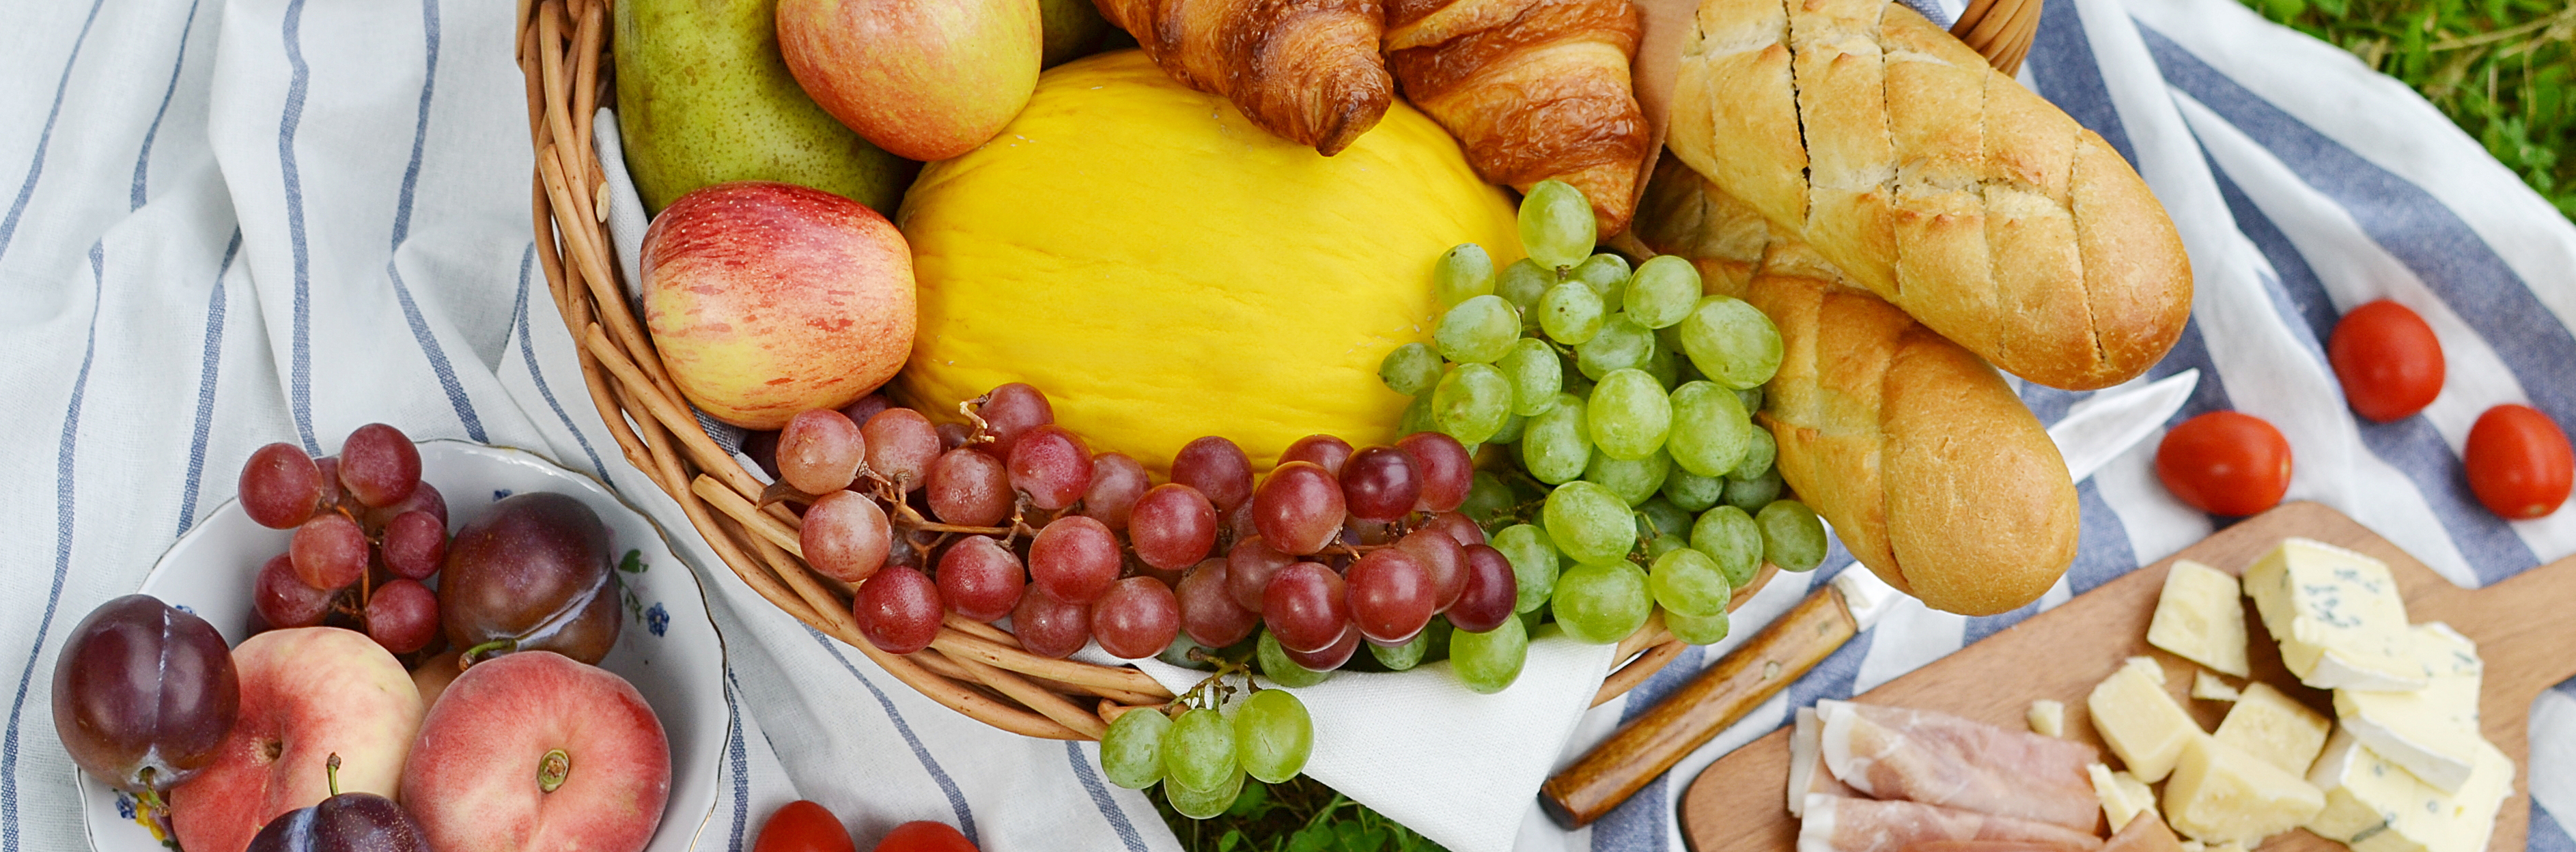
<point>2225,463</point>
<point>803,826</point>
<point>2388,360</point>
<point>924,836</point>
<point>2519,462</point>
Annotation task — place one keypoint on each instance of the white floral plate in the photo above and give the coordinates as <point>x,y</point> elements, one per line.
<point>668,648</point>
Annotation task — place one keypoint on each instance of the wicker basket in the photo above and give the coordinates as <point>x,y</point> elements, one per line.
<point>975,668</point>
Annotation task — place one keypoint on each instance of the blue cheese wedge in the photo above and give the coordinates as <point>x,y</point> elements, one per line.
<point>2433,732</point>
<point>2374,805</point>
<point>2140,721</point>
<point>2270,725</point>
<point>2337,615</point>
<point>2220,794</point>
<point>2200,616</point>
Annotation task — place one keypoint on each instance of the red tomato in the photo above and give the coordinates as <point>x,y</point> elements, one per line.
<point>2225,463</point>
<point>2519,463</point>
<point>2388,360</point>
<point>924,836</point>
<point>803,826</point>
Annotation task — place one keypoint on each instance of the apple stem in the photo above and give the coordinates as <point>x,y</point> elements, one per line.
<point>331,771</point>
<point>552,770</point>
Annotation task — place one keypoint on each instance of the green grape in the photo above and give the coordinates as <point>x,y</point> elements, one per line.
<point>1276,666</point>
<point>1632,481</point>
<point>1601,602</point>
<point>1472,402</point>
<point>1732,540</point>
<point>1571,313</point>
<point>1533,559</point>
<point>1792,536</point>
<point>1665,366</point>
<point>1657,546</point>
<point>1488,662</point>
<point>1621,345</point>
<point>1693,492</point>
<point>1464,272</point>
<point>1273,735</point>
<point>1198,752</point>
<point>1131,753</point>
<point>1556,446</point>
<point>1410,369</point>
<point>1752,494</point>
<point>1522,283</point>
<point>1664,290</point>
<point>1710,431</point>
<point>1556,224</point>
<point>1751,398</point>
<point>1401,657</point>
<point>1202,804</point>
<point>1417,416</point>
<point>1512,427</point>
<point>1488,496</point>
<point>1629,415</point>
<point>1760,450</point>
<point>1657,516</point>
<point>1477,331</point>
<point>1588,522</point>
<point>1731,342</point>
<point>1536,373</point>
<point>1608,275</point>
<point>1686,581</point>
<point>1697,630</point>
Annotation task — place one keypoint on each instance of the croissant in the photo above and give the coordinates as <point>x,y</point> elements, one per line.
<point>1307,70</point>
<point>1535,89</point>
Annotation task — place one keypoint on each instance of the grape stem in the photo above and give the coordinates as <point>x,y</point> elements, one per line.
<point>1212,691</point>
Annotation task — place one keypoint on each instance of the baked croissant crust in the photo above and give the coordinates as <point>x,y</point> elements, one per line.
<point>1307,70</point>
<point>1535,89</point>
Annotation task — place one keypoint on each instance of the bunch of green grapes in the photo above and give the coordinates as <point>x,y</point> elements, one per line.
<point>1202,754</point>
<point>1611,411</point>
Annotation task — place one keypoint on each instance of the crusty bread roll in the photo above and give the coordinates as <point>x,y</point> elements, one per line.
<point>1931,470</point>
<point>1936,182</point>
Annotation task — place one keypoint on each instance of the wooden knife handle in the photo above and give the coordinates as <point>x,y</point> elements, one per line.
<point>1652,743</point>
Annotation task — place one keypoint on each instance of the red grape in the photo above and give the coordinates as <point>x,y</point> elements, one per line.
<point>379,465</point>
<point>1050,628</point>
<point>283,600</point>
<point>1381,484</point>
<point>846,536</point>
<point>1447,471</point>
<point>1299,508</point>
<point>1460,528</point>
<point>867,408</point>
<point>402,616</point>
<point>423,499</point>
<point>280,486</point>
<point>329,551</point>
<point>898,610</point>
<point>1390,596</point>
<point>1330,657</point>
<point>333,494</point>
<point>1238,522</point>
<point>1051,465</point>
<point>762,446</point>
<point>1306,606</point>
<point>1011,410</point>
<point>1208,611</point>
<point>1249,567</point>
<point>1217,468</point>
<point>1116,481</point>
<point>1489,593</point>
<point>415,542</point>
<point>820,451</point>
<point>901,445</point>
<point>1074,559</point>
<point>1325,451</point>
<point>954,435</point>
<point>980,579</point>
<point>969,488</point>
<point>1173,527</point>
<point>1442,558</point>
<point>1136,618</point>
<point>144,694</point>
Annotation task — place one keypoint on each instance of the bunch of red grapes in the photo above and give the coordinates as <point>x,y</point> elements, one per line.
<point>367,533</point>
<point>1014,516</point>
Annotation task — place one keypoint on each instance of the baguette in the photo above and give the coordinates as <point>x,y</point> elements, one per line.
<point>1936,182</point>
<point>1930,469</point>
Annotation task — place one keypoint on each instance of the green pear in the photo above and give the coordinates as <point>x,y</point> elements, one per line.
<point>1072,30</point>
<point>703,97</point>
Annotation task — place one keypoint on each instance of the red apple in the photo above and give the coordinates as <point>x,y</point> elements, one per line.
<point>306,694</point>
<point>535,751</point>
<point>926,81</point>
<point>767,299</point>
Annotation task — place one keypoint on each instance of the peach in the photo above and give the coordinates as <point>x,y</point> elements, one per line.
<point>535,751</point>
<point>306,694</point>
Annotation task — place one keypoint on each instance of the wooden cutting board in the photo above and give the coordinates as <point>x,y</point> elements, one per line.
<point>2525,628</point>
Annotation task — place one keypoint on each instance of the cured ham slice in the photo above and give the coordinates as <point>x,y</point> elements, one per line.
<point>1837,824</point>
<point>1807,772</point>
<point>1940,759</point>
<point>2146,833</point>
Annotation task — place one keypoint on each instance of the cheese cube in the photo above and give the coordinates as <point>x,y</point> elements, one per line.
<point>2200,615</point>
<point>2337,616</point>
<point>2376,806</point>
<point>2047,718</point>
<point>2433,731</point>
<point>2123,796</point>
<point>2207,687</point>
<point>2274,727</point>
<point>2139,721</point>
<point>2220,794</point>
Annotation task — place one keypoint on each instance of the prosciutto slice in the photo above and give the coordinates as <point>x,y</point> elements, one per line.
<point>1838,824</point>
<point>1807,772</point>
<point>1940,759</point>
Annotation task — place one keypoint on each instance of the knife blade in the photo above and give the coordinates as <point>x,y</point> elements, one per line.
<point>2099,429</point>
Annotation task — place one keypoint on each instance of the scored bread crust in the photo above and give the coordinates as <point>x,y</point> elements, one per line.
<point>1935,182</point>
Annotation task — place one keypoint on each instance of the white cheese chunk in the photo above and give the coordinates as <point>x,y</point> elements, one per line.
<point>2123,796</point>
<point>2220,794</point>
<point>2200,615</point>
<point>2140,721</point>
<point>2433,731</point>
<point>2376,806</point>
<point>2270,725</point>
<point>2337,616</point>
<point>2207,687</point>
<point>2047,718</point>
